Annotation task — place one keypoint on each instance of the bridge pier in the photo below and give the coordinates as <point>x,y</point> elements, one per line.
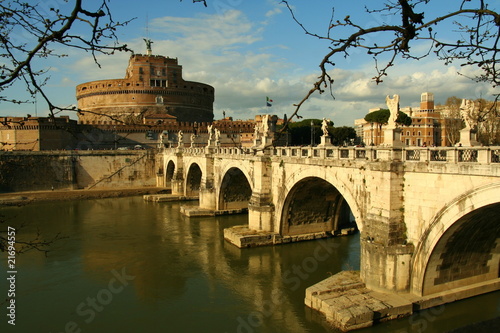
<point>260,206</point>
<point>208,198</point>
<point>177,181</point>
<point>386,268</point>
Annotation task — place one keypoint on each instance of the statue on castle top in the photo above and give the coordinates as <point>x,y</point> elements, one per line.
<point>324,126</point>
<point>148,45</point>
<point>393,105</point>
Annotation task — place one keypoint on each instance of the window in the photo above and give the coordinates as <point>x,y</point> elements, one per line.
<point>158,83</point>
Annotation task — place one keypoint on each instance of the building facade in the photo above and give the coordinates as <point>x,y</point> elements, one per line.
<point>37,133</point>
<point>429,126</point>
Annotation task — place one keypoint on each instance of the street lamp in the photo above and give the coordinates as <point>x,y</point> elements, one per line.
<point>372,135</point>
<point>312,133</point>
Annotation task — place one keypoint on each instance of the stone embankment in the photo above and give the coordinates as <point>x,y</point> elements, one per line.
<point>71,170</point>
<point>21,198</point>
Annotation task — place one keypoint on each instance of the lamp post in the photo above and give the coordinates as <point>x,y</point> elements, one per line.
<point>312,133</point>
<point>372,135</point>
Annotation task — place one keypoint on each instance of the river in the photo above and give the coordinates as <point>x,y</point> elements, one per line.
<point>126,265</point>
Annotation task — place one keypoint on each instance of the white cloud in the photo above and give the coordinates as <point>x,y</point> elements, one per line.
<point>273,12</point>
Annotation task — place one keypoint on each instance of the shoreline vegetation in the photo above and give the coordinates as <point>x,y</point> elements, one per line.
<point>22,198</point>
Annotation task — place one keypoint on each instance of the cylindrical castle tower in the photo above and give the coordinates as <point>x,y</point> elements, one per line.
<point>152,85</point>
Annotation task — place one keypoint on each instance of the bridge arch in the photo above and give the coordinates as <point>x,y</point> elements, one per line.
<point>461,246</point>
<point>193,180</point>
<point>169,171</point>
<point>327,193</point>
<point>235,189</point>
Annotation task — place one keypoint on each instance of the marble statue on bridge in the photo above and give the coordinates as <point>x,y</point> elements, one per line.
<point>193,137</point>
<point>179,139</point>
<point>324,126</point>
<point>392,134</point>
<point>466,112</point>
<point>393,105</point>
<point>467,134</point>
<point>210,129</point>
<point>217,137</point>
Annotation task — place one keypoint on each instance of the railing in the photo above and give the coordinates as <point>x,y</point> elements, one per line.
<point>485,155</point>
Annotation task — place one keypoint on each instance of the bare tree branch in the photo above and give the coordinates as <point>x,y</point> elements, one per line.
<point>28,33</point>
<point>477,46</point>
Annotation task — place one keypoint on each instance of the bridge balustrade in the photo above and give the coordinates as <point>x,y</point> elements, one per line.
<point>360,154</point>
<point>344,153</point>
<point>484,155</point>
<point>328,153</point>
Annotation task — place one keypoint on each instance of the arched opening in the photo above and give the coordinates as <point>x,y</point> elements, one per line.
<point>467,253</point>
<point>235,191</point>
<point>169,173</point>
<point>315,205</point>
<point>193,180</point>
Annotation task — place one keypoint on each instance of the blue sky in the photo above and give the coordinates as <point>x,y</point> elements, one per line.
<point>249,50</point>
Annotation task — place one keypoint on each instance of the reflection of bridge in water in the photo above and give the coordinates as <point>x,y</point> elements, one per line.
<point>429,218</point>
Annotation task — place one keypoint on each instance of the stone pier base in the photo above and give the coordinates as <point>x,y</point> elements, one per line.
<point>168,197</point>
<point>348,305</point>
<point>195,211</point>
<point>242,236</point>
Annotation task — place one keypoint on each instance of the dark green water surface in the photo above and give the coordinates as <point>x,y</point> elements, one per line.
<point>126,265</point>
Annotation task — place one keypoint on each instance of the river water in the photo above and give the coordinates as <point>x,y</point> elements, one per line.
<point>125,265</point>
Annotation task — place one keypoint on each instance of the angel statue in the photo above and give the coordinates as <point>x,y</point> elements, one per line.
<point>324,126</point>
<point>393,105</point>
<point>466,112</point>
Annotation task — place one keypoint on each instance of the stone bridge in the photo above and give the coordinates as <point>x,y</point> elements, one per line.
<point>429,218</point>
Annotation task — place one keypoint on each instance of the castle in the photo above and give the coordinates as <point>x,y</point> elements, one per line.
<point>153,85</point>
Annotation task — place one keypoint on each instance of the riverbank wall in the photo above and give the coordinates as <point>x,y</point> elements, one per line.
<point>72,170</point>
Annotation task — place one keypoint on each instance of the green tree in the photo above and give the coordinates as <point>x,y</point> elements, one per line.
<point>381,117</point>
<point>300,131</point>
<point>452,120</point>
<point>487,116</point>
<point>343,134</point>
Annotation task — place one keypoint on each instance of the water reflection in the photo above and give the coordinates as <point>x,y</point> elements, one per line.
<point>183,276</point>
